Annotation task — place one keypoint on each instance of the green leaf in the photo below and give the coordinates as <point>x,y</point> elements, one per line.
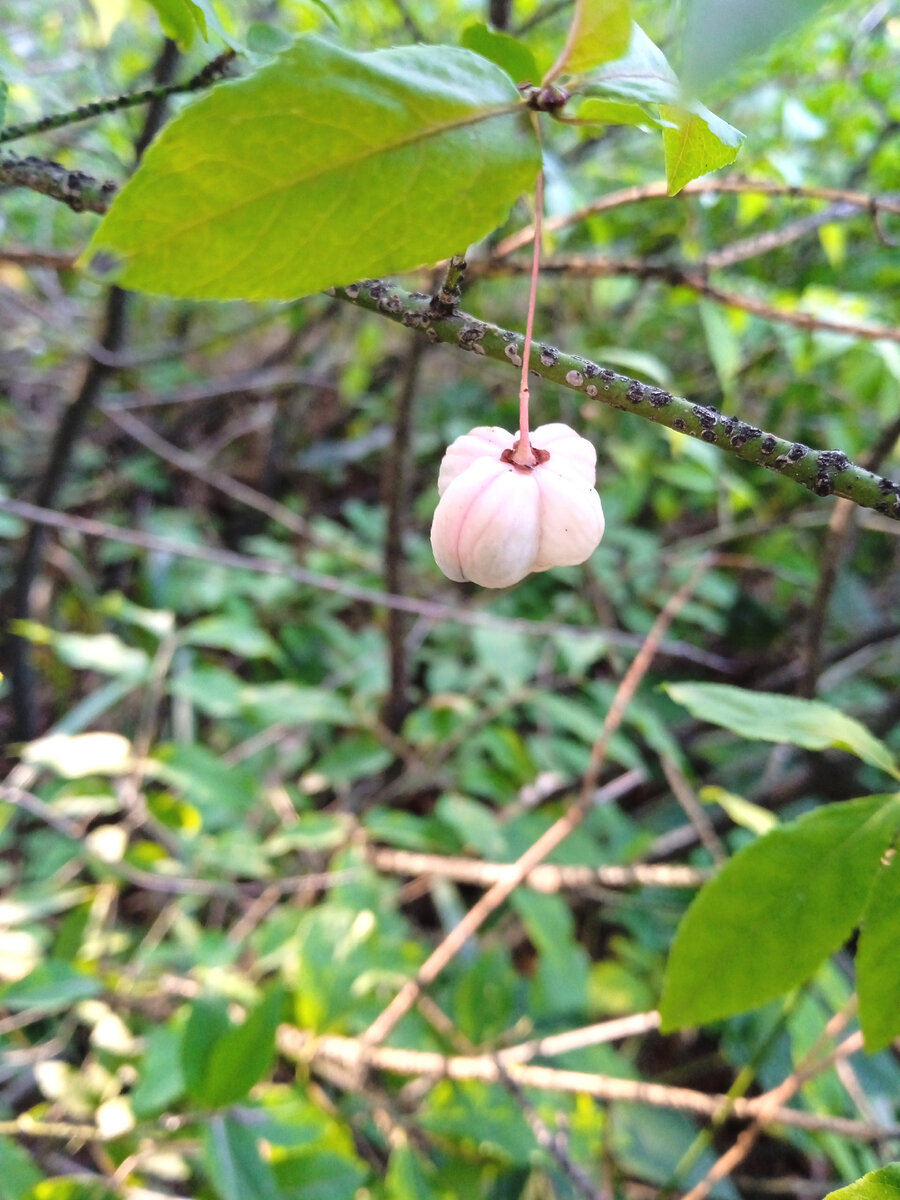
<point>4,92</point>
<point>719,33</point>
<point>206,1025</point>
<point>220,792</point>
<point>240,1057</point>
<point>161,1079</point>
<point>883,1184</point>
<point>742,812</point>
<point>506,51</point>
<point>18,1174</point>
<point>319,169</point>
<point>877,959</point>
<point>614,112</point>
<point>775,911</point>
<point>642,73</point>
<point>236,1168</point>
<point>295,704</point>
<point>406,1178</point>
<point>51,986</point>
<point>700,142</point>
<point>600,33</point>
<point>773,718</point>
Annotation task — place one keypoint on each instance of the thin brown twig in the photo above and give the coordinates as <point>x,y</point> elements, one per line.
<point>693,809</point>
<point>840,528</point>
<point>433,609</point>
<point>658,190</point>
<point>447,949</point>
<point>769,1103</point>
<point>678,275</point>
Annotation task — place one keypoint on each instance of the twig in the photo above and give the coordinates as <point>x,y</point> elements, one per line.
<point>432,609</point>
<point>543,878</point>
<point>356,1052</point>
<point>678,275</point>
<point>447,949</point>
<point>222,482</point>
<point>769,1103</point>
<point>840,527</point>
<point>445,300</point>
<point>22,256</point>
<point>693,809</point>
<point>396,491</point>
<point>824,472</point>
<point>80,191</point>
<point>213,71</point>
<point>658,190</point>
<point>554,1144</point>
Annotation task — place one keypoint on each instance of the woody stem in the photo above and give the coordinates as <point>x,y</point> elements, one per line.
<point>523,453</point>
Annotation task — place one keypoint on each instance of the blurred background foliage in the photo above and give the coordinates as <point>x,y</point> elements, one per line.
<point>224,858</point>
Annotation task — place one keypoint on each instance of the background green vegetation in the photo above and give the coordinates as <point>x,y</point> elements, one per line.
<point>232,855</point>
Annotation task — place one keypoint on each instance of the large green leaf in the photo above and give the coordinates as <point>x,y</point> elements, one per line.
<point>773,718</point>
<point>776,910</point>
<point>878,960</point>
<point>319,169</point>
<point>700,142</point>
<point>883,1184</point>
<point>600,32</point>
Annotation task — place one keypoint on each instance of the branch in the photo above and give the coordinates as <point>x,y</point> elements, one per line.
<point>658,190</point>
<point>82,193</point>
<point>677,275</point>
<point>824,472</point>
<point>97,108</point>
<point>543,878</point>
<point>356,1052</point>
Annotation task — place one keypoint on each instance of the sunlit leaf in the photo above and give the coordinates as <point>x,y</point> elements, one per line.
<point>642,74</point>
<point>599,33</point>
<point>883,1184</point>
<point>76,755</point>
<point>776,910</point>
<point>321,168</point>
<point>700,142</point>
<point>503,49</point>
<point>774,718</point>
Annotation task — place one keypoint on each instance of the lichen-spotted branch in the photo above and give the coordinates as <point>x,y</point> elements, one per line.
<point>824,472</point>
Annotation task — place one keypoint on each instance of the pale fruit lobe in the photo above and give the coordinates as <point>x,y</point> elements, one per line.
<point>496,522</point>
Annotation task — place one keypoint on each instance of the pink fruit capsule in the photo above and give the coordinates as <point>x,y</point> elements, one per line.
<point>497,521</point>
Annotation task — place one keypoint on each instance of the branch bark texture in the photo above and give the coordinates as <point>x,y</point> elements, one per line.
<point>824,472</point>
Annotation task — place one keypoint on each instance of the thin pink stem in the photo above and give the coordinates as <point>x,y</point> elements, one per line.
<point>523,454</point>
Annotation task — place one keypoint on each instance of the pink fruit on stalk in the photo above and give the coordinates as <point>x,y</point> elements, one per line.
<point>498,520</point>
